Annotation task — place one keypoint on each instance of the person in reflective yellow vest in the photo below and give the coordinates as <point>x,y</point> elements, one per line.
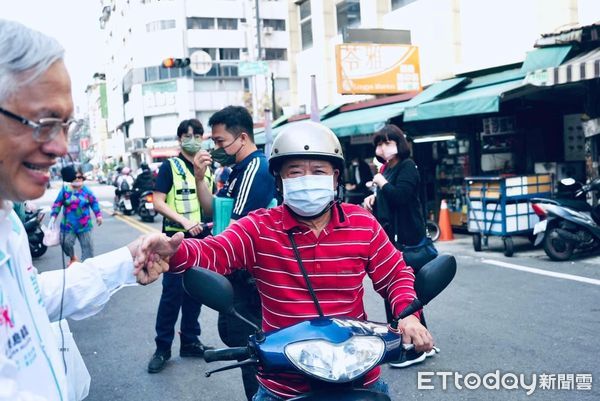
<point>183,196</point>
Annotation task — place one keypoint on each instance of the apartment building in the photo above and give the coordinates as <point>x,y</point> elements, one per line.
<point>97,113</point>
<point>232,38</point>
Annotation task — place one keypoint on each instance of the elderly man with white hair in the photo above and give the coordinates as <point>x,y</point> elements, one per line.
<point>35,120</point>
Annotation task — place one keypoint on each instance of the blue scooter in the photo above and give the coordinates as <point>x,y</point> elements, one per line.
<point>331,352</point>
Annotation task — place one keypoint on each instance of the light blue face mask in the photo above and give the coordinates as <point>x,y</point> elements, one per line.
<point>308,195</point>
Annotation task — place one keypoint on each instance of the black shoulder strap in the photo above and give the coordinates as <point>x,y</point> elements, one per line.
<point>303,270</point>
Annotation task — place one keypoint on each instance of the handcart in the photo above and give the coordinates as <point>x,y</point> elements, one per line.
<point>501,206</point>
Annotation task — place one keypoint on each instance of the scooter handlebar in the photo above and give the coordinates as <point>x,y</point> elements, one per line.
<point>226,354</point>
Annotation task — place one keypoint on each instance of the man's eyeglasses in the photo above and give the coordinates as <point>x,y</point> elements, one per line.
<point>79,177</point>
<point>46,129</point>
<point>190,136</point>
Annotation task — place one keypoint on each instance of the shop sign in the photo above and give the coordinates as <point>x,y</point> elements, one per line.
<point>160,97</point>
<point>250,68</point>
<point>368,68</point>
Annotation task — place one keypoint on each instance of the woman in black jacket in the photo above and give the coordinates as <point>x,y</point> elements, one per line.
<point>397,206</point>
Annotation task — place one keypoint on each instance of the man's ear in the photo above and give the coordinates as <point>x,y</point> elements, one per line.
<point>278,183</point>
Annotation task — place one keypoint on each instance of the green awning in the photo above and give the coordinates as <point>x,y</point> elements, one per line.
<point>363,121</point>
<point>372,119</point>
<point>478,100</point>
<point>545,57</point>
<point>583,67</point>
<point>435,90</point>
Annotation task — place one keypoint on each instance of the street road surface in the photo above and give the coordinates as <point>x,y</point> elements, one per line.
<point>511,315</point>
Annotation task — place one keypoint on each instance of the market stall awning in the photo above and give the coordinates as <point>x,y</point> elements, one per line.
<point>545,57</point>
<point>580,68</point>
<point>363,121</point>
<point>370,120</point>
<point>483,94</point>
<point>473,100</point>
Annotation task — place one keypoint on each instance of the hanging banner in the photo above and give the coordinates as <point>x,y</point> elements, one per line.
<point>367,68</point>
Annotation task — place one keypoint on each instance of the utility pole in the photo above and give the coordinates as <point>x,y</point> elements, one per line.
<point>273,102</point>
<point>255,95</point>
<point>258,32</point>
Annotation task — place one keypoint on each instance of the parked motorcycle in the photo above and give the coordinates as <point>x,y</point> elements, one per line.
<point>35,235</point>
<point>124,204</point>
<point>331,352</point>
<point>145,207</point>
<point>566,226</point>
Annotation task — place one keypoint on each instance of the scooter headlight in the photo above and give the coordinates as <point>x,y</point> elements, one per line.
<point>336,362</point>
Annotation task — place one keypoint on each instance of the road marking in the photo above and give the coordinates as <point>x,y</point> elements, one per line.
<point>542,272</point>
<point>130,221</point>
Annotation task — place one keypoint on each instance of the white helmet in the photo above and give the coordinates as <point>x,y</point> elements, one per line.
<point>307,140</point>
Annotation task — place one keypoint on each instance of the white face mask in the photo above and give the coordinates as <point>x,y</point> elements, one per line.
<point>308,195</point>
<point>387,151</point>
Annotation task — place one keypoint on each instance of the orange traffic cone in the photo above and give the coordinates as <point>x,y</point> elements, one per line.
<point>444,223</point>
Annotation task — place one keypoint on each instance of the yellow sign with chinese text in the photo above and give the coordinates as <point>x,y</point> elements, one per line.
<point>367,68</point>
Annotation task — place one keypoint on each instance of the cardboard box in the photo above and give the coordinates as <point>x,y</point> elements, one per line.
<point>457,219</point>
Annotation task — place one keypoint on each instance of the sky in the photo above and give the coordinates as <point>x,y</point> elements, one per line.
<point>74,23</point>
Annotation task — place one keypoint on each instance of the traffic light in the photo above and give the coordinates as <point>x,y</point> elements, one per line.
<point>175,62</point>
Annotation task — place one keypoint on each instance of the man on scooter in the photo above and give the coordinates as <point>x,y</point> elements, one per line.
<point>338,244</point>
<point>143,182</point>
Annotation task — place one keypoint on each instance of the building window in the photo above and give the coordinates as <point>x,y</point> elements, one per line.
<point>163,73</point>
<point>305,25</point>
<point>274,24</point>
<point>159,72</point>
<point>212,52</point>
<point>348,14</point>
<point>200,23</point>
<point>229,54</point>
<point>150,74</point>
<point>175,72</point>
<point>401,3</point>
<point>275,54</point>
<point>227,23</point>
<point>229,71</point>
<point>160,25</point>
<point>304,9</point>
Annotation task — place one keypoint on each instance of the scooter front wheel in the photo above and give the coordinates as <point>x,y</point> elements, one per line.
<point>556,247</point>
<point>37,249</point>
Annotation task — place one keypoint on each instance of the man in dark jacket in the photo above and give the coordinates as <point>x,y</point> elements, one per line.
<point>359,173</point>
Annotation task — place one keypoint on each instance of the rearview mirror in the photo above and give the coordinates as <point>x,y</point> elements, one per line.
<point>431,280</point>
<point>209,288</point>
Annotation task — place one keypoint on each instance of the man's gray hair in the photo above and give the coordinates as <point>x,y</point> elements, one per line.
<point>25,54</point>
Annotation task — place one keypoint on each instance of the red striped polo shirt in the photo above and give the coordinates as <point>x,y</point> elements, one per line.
<point>352,245</point>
